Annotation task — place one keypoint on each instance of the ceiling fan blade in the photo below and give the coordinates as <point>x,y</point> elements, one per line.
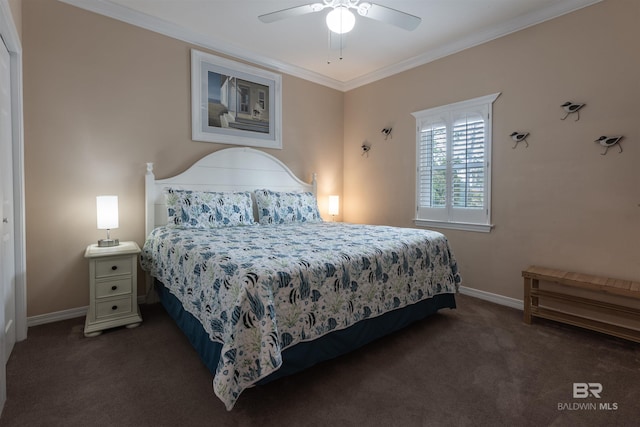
<point>394,17</point>
<point>286,13</point>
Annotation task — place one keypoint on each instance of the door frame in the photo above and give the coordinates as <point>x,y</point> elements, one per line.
<point>9,34</point>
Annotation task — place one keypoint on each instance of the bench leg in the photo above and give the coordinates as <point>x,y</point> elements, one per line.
<point>530,287</point>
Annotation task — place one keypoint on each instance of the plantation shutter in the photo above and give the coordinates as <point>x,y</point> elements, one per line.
<point>432,169</point>
<point>468,148</point>
<point>433,158</point>
<point>453,153</point>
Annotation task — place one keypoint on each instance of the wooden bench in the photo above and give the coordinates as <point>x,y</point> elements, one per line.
<point>597,285</point>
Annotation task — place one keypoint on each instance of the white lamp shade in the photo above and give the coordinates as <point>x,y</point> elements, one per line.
<point>340,20</point>
<point>334,205</point>
<point>107,207</point>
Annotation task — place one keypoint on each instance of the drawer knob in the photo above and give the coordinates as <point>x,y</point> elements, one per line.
<point>115,307</point>
<point>114,287</point>
<point>114,267</point>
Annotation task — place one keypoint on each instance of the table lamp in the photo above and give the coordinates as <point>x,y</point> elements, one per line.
<point>107,208</point>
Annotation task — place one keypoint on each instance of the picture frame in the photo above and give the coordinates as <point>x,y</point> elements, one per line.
<point>234,103</point>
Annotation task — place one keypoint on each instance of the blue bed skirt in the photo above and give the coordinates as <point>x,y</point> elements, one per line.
<point>306,354</point>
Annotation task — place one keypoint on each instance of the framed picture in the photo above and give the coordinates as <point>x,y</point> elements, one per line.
<point>234,103</point>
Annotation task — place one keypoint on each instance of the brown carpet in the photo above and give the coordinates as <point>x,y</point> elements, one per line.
<point>478,365</point>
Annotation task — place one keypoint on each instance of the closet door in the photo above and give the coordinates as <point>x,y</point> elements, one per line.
<point>7,237</point>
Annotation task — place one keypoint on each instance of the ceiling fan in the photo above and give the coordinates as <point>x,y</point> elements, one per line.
<point>340,19</point>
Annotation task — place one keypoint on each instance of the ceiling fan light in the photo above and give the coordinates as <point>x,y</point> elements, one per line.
<point>340,20</point>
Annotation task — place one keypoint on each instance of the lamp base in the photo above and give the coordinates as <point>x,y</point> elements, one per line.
<point>104,243</point>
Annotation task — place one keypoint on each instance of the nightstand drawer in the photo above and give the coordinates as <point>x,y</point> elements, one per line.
<point>113,266</point>
<point>112,288</point>
<point>115,306</point>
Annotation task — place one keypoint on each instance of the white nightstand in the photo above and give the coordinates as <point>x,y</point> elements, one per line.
<point>113,287</point>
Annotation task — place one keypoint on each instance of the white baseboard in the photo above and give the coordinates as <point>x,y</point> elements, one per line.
<point>495,298</point>
<point>57,316</point>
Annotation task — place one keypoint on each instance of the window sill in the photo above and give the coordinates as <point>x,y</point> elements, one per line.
<point>464,226</point>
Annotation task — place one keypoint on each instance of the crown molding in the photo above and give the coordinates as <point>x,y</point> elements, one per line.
<point>169,29</point>
<point>133,17</point>
<point>559,8</point>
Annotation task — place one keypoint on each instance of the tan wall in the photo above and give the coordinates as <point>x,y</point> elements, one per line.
<point>558,203</point>
<point>101,98</point>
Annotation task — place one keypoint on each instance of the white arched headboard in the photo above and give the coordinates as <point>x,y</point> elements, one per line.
<point>230,169</point>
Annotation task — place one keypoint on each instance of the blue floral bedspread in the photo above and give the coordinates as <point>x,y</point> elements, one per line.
<point>260,289</point>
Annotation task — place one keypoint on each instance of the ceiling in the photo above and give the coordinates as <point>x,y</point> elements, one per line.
<point>300,45</point>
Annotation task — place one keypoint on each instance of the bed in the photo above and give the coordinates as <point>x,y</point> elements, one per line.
<point>262,287</point>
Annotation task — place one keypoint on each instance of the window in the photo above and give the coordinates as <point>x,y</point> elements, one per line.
<point>243,93</point>
<point>453,179</point>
